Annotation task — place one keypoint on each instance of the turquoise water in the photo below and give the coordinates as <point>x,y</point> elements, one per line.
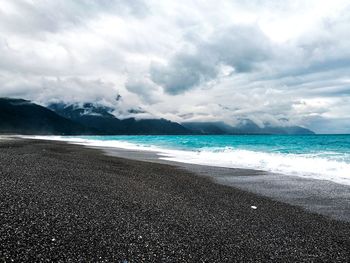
<point>335,147</point>
<point>323,157</point>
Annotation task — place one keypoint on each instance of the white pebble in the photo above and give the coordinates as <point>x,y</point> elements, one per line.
<point>253,207</point>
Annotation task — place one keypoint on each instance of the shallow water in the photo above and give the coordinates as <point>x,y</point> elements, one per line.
<point>324,157</point>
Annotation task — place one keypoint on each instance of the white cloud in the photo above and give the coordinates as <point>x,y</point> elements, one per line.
<point>184,60</point>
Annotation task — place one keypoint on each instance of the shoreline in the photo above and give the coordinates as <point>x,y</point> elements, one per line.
<point>318,196</point>
<point>289,164</point>
<point>67,202</point>
<point>323,197</point>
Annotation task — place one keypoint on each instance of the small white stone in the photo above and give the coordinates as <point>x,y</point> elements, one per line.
<point>254,207</point>
<point>53,239</point>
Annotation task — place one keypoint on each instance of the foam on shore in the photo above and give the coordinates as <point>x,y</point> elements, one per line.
<point>301,165</point>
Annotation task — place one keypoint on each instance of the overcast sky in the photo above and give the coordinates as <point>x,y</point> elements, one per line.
<point>279,61</point>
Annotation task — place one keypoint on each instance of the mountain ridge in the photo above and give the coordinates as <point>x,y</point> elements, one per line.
<point>21,116</point>
<point>101,119</point>
<point>24,117</point>
<point>248,127</point>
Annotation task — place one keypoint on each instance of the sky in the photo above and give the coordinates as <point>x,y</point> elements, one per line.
<point>277,62</point>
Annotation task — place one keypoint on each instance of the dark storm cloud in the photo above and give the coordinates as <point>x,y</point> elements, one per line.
<point>239,47</point>
<point>144,88</point>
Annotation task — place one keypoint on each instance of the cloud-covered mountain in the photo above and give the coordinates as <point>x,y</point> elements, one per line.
<point>246,127</point>
<point>19,116</point>
<point>24,117</point>
<point>100,118</point>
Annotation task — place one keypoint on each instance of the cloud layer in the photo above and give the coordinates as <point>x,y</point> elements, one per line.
<point>269,61</point>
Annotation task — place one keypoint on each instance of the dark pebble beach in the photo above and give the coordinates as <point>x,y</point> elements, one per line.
<point>68,203</point>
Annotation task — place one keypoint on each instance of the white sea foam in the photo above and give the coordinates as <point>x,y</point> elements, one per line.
<point>289,164</point>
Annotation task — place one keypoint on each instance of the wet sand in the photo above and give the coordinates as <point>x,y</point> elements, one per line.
<point>318,196</point>
<point>61,202</point>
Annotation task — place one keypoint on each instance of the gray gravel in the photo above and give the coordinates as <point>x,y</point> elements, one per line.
<point>66,203</point>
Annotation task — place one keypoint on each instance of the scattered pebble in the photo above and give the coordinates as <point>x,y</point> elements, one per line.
<point>135,212</point>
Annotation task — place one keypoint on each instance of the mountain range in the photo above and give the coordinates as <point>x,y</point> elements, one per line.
<point>18,116</point>
<point>244,127</point>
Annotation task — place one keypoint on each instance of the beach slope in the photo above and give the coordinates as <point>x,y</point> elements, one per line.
<point>61,202</point>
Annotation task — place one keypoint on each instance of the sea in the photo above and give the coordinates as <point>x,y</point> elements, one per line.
<point>321,157</point>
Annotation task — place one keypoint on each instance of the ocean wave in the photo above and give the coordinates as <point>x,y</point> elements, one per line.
<point>302,165</point>
<point>288,164</point>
